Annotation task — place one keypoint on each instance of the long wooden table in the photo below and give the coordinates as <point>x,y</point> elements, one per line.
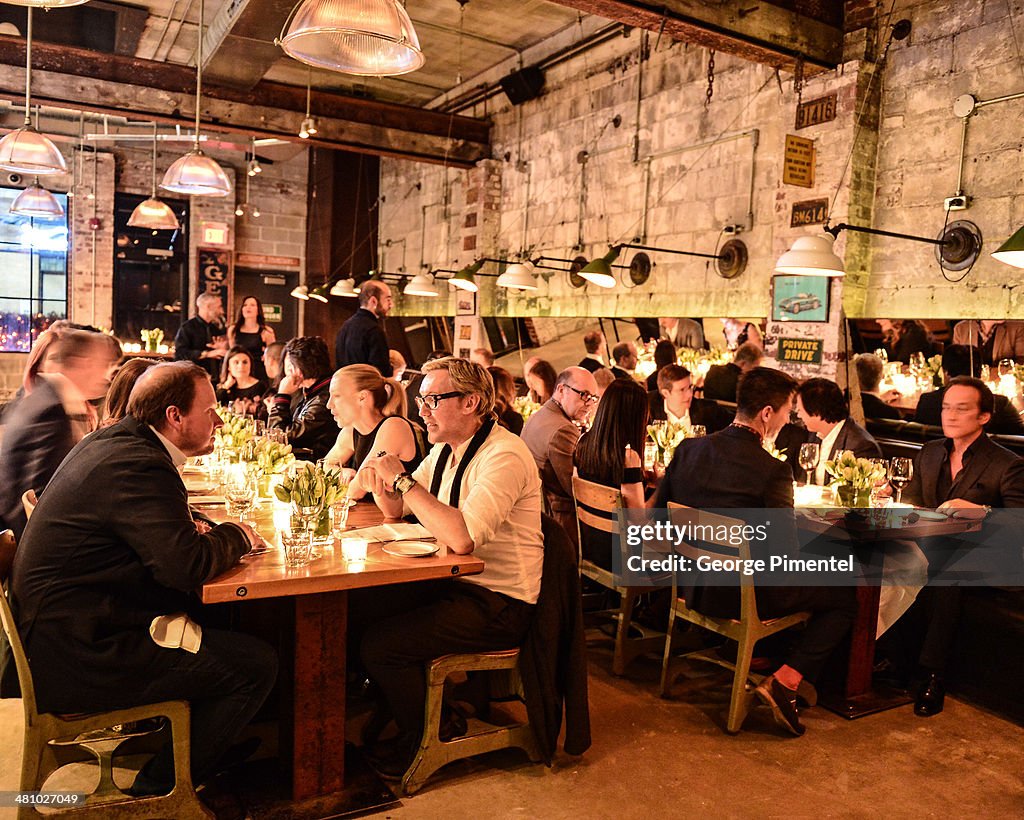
<point>313,733</point>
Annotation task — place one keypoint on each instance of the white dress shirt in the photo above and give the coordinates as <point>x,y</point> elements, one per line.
<point>827,444</point>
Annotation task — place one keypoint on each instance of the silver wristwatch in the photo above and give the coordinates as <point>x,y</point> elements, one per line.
<point>403,483</point>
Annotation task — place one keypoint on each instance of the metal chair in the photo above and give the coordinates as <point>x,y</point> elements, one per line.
<point>53,741</point>
<point>598,506</point>
<point>746,630</point>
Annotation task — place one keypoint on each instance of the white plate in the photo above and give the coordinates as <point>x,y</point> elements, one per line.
<point>930,515</point>
<point>410,549</point>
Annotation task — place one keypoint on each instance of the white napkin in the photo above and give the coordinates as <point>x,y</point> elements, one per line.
<point>176,631</point>
<point>393,532</point>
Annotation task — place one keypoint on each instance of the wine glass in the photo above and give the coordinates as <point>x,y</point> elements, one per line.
<point>810,452</point>
<point>901,470</point>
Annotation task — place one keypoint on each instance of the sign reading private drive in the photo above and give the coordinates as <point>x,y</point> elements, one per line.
<point>798,164</point>
<point>805,351</point>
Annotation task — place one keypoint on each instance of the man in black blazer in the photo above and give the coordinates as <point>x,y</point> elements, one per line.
<point>823,409</point>
<point>731,469</point>
<point>673,401</point>
<point>964,471</point>
<point>960,360</point>
<point>625,357</point>
<point>203,338</point>
<point>103,579</point>
<point>361,340</point>
<point>869,376</point>
<point>594,344</point>
<point>722,379</point>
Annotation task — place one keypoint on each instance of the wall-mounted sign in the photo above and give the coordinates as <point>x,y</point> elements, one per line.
<point>244,259</point>
<point>809,212</point>
<point>798,164</point>
<point>272,313</point>
<point>215,274</point>
<point>805,351</point>
<point>215,233</point>
<point>815,112</point>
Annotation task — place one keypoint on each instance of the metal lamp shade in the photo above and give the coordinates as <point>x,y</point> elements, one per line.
<point>27,151</point>
<point>195,174</point>
<point>344,287</point>
<point>301,292</point>
<point>1012,250</point>
<point>421,285</point>
<point>367,37</point>
<point>464,280</point>
<point>811,256</point>
<point>599,271</point>
<point>155,214</point>
<point>47,4</point>
<point>518,276</point>
<point>319,293</point>
<point>37,202</point>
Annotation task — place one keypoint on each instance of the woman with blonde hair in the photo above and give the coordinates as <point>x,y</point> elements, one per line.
<point>370,410</point>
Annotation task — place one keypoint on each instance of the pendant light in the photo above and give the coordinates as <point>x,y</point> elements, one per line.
<point>1012,250</point>
<point>345,287</point>
<point>47,4</point>
<point>518,276</point>
<point>301,292</point>
<point>319,293</point>
<point>598,270</point>
<point>25,150</point>
<point>465,278</point>
<point>373,38</point>
<point>811,256</point>
<point>309,126</point>
<point>421,285</point>
<point>153,213</point>
<point>37,202</point>
<point>196,174</point>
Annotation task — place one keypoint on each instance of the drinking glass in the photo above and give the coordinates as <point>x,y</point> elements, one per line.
<point>650,455</point>
<point>901,470</point>
<point>881,480</point>
<point>339,517</point>
<point>810,452</point>
<point>297,545</point>
<point>1005,367</point>
<point>239,493</point>
<point>698,431</point>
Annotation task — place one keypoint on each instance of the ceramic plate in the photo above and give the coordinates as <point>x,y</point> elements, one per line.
<point>931,515</point>
<point>410,549</point>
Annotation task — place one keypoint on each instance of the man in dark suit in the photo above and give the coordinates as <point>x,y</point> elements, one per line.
<point>731,469</point>
<point>965,471</point>
<point>625,357</point>
<point>673,402</point>
<point>594,344</point>
<point>722,379</point>
<point>49,421</point>
<point>960,360</point>
<point>203,338</point>
<point>361,340</point>
<point>823,409</point>
<point>869,376</point>
<point>103,580</point>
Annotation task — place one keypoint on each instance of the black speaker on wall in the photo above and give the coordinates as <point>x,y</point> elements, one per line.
<point>523,85</point>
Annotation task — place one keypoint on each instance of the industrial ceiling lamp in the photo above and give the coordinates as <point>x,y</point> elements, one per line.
<point>465,278</point>
<point>25,150</point>
<point>319,293</point>
<point>421,285</point>
<point>308,127</point>
<point>301,292</point>
<point>46,4</point>
<point>345,287</point>
<point>253,167</point>
<point>367,37</point>
<point>1012,250</point>
<point>153,213</point>
<point>196,174</point>
<point>519,276</point>
<point>956,249</point>
<point>37,202</point>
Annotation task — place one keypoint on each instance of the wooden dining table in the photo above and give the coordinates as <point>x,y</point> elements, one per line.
<point>313,614</point>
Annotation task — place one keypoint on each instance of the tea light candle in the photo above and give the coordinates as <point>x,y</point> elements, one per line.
<point>354,549</point>
<point>282,516</point>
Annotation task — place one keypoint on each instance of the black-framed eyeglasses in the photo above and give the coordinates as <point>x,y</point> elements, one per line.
<point>434,399</point>
<point>587,396</point>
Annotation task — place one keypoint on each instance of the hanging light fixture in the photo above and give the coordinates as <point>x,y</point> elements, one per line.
<point>25,150</point>
<point>421,285</point>
<point>599,270</point>
<point>308,127</point>
<point>196,174</point>
<point>465,278</point>
<point>301,292</point>
<point>319,293</point>
<point>519,276</point>
<point>153,213</point>
<point>1012,250</point>
<point>345,287</point>
<point>253,167</point>
<point>811,256</point>
<point>46,4</point>
<point>37,202</point>
<point>368,37</point>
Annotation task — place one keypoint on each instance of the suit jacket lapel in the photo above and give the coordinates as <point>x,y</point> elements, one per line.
<point>972,471</point>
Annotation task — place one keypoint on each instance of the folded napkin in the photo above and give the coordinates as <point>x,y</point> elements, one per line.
<point>176,631</point>
<point>392,532</point>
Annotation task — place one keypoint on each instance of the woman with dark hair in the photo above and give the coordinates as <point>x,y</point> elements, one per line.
<point>903,338</point>
<point>664,353</point>
<point>300,405</point>
<point>371,412</point>
<point>610,454</point>
<point>504,394</point>
<point>239,389</point>
<point>541,380</point>
<point>251,332</point>
<point>116,405</point>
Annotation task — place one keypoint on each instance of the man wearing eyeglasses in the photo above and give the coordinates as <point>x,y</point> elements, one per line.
<point>552,434</point>
<point>477,492</point>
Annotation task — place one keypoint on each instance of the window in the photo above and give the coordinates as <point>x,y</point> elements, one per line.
<point>33,274</point>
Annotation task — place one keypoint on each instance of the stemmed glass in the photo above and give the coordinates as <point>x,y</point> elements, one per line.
<point>810,452</point>
<point>901,470</point>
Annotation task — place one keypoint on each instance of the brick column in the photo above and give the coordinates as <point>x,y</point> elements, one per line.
<point>91,263</point>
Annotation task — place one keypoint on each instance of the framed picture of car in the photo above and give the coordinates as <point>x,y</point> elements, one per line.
<point>800,298</point>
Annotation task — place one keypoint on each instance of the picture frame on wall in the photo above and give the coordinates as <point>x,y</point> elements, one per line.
<point>465,303</point>
<point>800,298</point>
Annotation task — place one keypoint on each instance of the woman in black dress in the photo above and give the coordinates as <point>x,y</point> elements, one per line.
<point>251,331</point>
<point>610,454</point>
<point>239,389</point>
<point>504,395</point>
<point>370,410</point>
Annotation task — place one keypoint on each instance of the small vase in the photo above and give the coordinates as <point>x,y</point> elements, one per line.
<point>152,345</point>
<point>853,496</point>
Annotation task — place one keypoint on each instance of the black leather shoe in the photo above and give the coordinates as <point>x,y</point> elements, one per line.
<point>782,702</point>
<point>931,697</point>
<point>392,758</point>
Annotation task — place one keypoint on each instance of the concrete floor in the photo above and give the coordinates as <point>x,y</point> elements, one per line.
<point>658,758</point>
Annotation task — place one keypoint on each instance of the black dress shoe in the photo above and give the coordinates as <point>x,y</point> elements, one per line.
<point>391,758</point>
<point>931,697</point>
<point>782,702</point>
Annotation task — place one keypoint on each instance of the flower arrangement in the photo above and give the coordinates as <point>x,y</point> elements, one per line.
<point>849,471</point>
<point>273,457</point>
<point>151,338</point>
<point>524,407</point>
<point>311,491</point>
<point>233,438</point>
<point>769,446</point>
<point>930,370</point>
<point>667,437</point>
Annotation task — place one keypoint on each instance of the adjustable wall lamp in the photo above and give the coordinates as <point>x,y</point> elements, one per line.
<point>956,248</point>
<point>732,261</point>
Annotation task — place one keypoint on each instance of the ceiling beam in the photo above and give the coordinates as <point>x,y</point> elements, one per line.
<point>756,31</point>
<point>148,90</point>
<point>239,42</point>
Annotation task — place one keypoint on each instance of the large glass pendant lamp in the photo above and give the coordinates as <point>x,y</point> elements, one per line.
<point>154,213</point>
<point>37,202</point>
<point>25,150</point>
<point>366,37</point>
<point>196,174</point>
<point>47,4</point>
